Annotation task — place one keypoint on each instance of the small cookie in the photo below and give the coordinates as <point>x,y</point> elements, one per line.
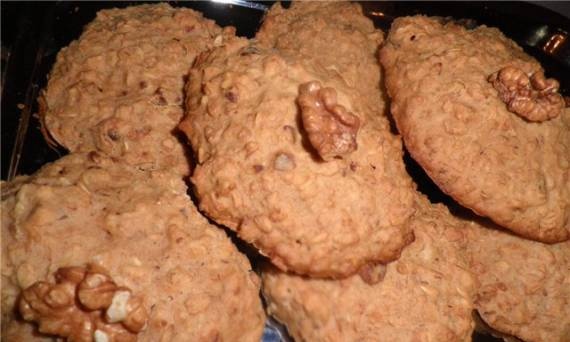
<point>307,28</point>
<point>426,295</point>
<point>524,286</point>
<point>482,120</point>
<point>295,162</point>
<point>118,88</point>
<point>130,247</point>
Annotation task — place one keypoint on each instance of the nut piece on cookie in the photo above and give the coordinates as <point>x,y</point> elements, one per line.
<point>331,128</point>
<point>372,273</point>
<point>96,290</point>
<point>535,98</point>
<point>56,309</point>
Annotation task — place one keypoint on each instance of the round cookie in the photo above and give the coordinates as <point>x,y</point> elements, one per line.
<point>131,248</point>
<point>307,28</point>
<point>524,286</point>
<point>295,162</point>
<point>118,88</point>
<point>426,295</point>
<point>478,115</point>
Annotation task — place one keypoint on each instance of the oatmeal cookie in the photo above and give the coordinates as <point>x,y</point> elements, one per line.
<point>306,29</point>
<point>426,295</point>
<point>295,162</point>
<point>92,248</point>
<point>118,89</point>
<point>484,122</point>
<point>524,286</point>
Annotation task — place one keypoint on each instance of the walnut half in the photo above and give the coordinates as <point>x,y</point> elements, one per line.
<point>83,305</point>
<point>535,98</point>
<point>330,127</point>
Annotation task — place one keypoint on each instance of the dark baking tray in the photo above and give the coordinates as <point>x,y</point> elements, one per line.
<point>33,33</point>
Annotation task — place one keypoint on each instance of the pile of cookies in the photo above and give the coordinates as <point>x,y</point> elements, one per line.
<point>293,140</point>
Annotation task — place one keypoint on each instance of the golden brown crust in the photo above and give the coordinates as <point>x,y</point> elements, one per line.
<point>426,295</point>
<point>144,231</point>
<point>523,285</point>
<point>457,127</point>
<point>118,88</point>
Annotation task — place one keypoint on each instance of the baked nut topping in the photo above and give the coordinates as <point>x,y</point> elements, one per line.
<point>330,127</point>
<point>96,291</point>
<point>535,98</point>
<point>83,305</point>
<point>372,273</point>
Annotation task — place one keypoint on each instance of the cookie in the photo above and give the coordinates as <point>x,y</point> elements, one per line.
<point>426,295</point>
<point>482,120</point>
<point>524,286</point>
<point>131,248</point>
<point>118,88</point>
<point>306,30</point>
<point>295,162</point>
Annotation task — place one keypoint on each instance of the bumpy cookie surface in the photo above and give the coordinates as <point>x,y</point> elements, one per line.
<point>478,115</point>
<point>118,88</point>
<point>524,286</point>
<point>335,36</point>
<point>295,162</point>
<point>426,295</point>
<point>87,229</point>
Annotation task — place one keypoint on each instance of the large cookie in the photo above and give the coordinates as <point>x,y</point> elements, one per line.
<point>295,162</point>
<point>118,88</point>
<point>524,286</point>
<point>478,115</point>
<point>426,295</point>
<point>333,35</point>
<point>131,248</point>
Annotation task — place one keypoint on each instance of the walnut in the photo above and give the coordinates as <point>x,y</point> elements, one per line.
<point>330,127</point>
<point>535,98</point>
<point>83,305</point>
<point>96,291</point>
